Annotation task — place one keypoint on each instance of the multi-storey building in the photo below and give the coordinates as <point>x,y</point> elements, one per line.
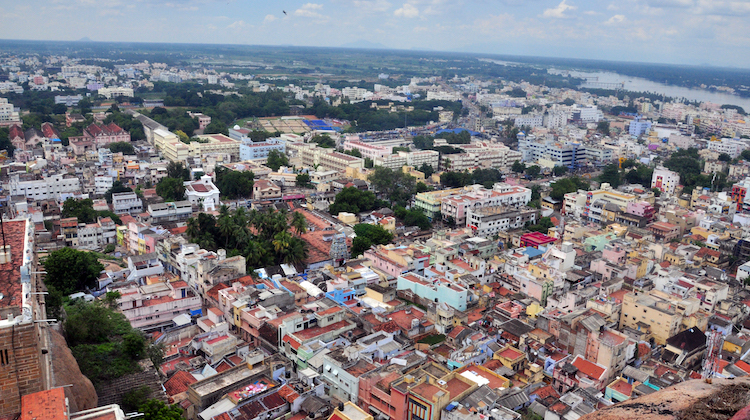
<point>665,180</point>
<point>732,147</point>
<point>455,206</point>
<point>638,127</point>
<point>488,221</point>
<point>56,187</point>
<point>103,135</point>
<point>368,150</point>
<point>126,203</point>
<point>655,313</point>
<point>154,305</point>
<point>8,114</point>
<point>430,202</point>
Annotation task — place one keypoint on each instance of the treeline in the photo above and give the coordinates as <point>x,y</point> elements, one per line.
<point>364,118</point>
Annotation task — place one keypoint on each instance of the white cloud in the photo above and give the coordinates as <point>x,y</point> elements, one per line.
<point>309,10</point>
<point>591,13</point>
<point>368,6</point>
<point>269,18</point>
<point>407,11</point>
<point>559,11</point>
<point>238,24</point>
<point>615,20</point>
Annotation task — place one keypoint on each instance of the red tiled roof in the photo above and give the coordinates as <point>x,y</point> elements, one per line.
<point>223,366</point>
<point>179,382</point>
<point>47,405</point>
<point>10,273</point>
<point>292,342</point>
<point>589,369</point>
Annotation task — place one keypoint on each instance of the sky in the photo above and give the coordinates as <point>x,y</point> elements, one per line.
<point>712,32</point>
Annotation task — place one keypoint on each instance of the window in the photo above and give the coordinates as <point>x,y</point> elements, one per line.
<point>4,359</point>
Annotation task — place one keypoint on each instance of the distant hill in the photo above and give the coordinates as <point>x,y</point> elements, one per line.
<point>362,44</point>
<point>85,39</point>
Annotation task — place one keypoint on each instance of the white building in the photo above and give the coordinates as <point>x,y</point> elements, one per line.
<point>126,202</point>
<point>102,183</point>
<point>665,180</point>
<point>203,193</point>
<point>489,221</point>
<point>587,114</point>
<point>732,147</point>
<point>55,187</point>
<point>114,92</point>
<point>8,115</point>
<point>529,120</point>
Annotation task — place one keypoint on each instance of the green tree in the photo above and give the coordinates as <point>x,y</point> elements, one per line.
<point>323,140</point>
<point>157,410</point>
<point>178,170</point>
<point>171,189</point>
<point>216,127</point>
<point>81,209</point>
<point>518,167</point>
<point>567,185</point>
<point>603,127</point>
<point>559,170</point>
<point>746,154</point>
<point>533,171</point>
<point>545,223</point>
<point>611,175</point>
<point>70,270</point>
<point>724,157</point>
<point>299,223</point>
<point>427,170</point>
<point>367,236</point>
<point>303,180</point>
<point>117,187</point>
<point>135,398</point>
<point>134,344</point>
<point>413,217</point>
<point>353,200</point>
<point>124,147</point>
<point>234,184</point>
<point>277,159</point>
<point>395,186</point>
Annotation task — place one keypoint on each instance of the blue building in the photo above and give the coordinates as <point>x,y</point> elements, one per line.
<point>638,127</point>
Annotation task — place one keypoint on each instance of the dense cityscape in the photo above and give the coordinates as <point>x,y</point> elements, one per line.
<point>435,237</point>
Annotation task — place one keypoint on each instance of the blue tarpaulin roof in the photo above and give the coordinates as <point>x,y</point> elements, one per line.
<point>457,131</point>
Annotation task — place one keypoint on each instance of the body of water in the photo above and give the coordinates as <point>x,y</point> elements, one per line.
<point>637,84</point>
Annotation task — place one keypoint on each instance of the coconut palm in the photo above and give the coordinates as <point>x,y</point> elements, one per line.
<point>226,228</point>
<point>193,228</point>
<point>299,223</point>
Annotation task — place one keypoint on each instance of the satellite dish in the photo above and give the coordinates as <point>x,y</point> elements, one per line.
<point>236,127</point>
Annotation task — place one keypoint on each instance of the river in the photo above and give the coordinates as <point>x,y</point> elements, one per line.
<point>637,84</point>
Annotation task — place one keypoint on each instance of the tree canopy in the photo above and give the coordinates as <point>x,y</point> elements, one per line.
<point>171,189</point>
<point>84,211</point>
<point>277,159</point>
<point>178,170</point>
<point>367,236</point>
<point>354,200</point>
<point>323,140</point>
<point>394,186</point>
<point>117,187</point>
<point>123,147</point>
<point>70,270</point>
<point>567,185</point>
<point>234,184</point>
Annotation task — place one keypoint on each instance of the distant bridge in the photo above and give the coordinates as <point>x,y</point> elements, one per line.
<point>604,85</point>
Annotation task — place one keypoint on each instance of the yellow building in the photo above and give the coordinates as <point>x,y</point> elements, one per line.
<point>658,313</point>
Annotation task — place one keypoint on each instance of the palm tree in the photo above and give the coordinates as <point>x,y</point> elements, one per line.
<point>255,255</point>
<point>282,241</point>
<point>193,228</point>
<point>223,210</point>
<point>299,223</point>
<point>226,227</point>
<point>297,252</point>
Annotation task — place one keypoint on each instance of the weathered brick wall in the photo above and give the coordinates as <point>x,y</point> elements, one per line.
<point>20,372</point>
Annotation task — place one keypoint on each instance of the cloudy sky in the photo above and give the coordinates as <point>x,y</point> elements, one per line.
<point>672,31</point>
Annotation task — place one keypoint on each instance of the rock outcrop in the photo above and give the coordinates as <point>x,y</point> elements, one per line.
<point>696,399</point>
<point>65,371</point>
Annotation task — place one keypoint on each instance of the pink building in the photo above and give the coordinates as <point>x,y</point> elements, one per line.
<point>153,306</point>
<point>367,150</point>
<point>103,135</point>
<point>396,261</point>
<point>642,209</point>
<point>614,253</point>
